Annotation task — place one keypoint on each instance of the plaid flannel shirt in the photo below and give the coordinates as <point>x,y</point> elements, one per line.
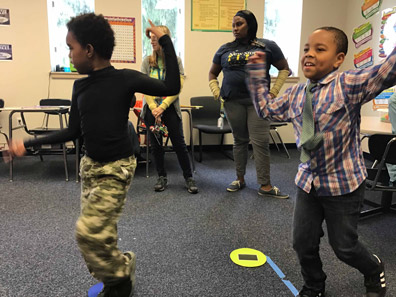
<point>337,167</point>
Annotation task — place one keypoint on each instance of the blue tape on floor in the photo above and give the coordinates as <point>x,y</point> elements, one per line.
<point>282,275</point>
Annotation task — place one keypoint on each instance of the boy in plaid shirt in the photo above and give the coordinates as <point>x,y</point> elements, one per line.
<point>331,177</point>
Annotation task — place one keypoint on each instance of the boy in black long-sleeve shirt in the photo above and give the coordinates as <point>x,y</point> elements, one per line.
<point>99,114</point>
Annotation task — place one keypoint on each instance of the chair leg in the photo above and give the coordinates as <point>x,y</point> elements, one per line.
<point>283,144</point>
<point>385,205</point>
<point>273,140</point>
<point>200,147</point>
<point>77,149</point>
<point>65,161</point>
<point>147,151</point>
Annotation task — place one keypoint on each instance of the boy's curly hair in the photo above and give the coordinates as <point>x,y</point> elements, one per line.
<point>93,29</point>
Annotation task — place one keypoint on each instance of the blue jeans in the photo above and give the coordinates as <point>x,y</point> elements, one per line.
<point>341,214</point>
<point>175,131</point>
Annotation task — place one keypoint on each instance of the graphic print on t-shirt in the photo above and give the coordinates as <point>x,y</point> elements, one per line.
<point>237,58</point>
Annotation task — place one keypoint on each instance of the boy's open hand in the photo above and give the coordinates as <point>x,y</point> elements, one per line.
<point>16,148</point>
<point>155,30</point>
<point>258,57</point>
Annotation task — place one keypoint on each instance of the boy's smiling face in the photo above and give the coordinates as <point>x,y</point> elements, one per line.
<point>320,55</point>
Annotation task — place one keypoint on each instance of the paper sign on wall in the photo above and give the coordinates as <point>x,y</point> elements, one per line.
<point>4,16</point>
<point>124,31</point>
<point>5,52</point>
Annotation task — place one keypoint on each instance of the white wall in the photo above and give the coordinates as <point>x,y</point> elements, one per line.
<point>356,19</point>
<point>26,79</point>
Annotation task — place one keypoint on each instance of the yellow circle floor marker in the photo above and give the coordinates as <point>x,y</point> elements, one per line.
<point>248,257</point>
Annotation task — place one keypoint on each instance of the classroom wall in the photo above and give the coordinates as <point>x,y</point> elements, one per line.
<point>355,20</point>
<point>26,79</point>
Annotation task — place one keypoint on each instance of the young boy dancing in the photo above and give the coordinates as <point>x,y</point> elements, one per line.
<point>325,113</point>
<point>99,114</point>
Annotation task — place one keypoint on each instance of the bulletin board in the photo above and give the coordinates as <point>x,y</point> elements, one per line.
<point>125,38</point>
<point>214,15</point>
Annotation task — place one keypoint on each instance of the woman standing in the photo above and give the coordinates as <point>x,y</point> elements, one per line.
<point>165,110</point>
<point>245,124</point>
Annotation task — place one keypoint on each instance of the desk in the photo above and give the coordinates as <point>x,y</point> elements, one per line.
<point>34,109</point>
<point>372,125</point>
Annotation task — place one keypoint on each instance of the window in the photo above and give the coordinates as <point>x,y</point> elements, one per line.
<point>164,12</point>
<point>59,13</point>
<point>282,24</point>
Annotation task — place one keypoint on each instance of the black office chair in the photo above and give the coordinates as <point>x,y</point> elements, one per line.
<point>46,128</point>
<point>273,127</point>
<point>382,150</point>
<point>1,132</point>
<point>205,120</point>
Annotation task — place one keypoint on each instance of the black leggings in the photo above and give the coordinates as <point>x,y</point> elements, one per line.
<point>175,131</point>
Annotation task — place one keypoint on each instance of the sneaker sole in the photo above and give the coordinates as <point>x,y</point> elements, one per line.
<point>235,190</point>
<point>274,196</point>
<point>192,192</point>
<point>160,190</point>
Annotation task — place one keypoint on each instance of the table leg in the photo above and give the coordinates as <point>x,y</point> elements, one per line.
<point>10,136</point>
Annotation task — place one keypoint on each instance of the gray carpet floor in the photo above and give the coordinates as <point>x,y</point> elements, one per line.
<point>182,241</point>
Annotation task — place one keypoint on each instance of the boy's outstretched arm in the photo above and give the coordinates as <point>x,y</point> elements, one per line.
<point>266,106</point>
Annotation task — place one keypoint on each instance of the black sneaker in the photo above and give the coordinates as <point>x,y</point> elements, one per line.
<point>123,289</point>
<point>305,292</point>
<point>191,186</point>
<point>375,284</point>
<point>131,261</point>
<point>161,184</point>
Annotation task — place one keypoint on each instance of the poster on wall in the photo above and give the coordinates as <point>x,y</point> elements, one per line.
<point>5,52</point>
<point>362,34</point>
<point>125,39</point>
<point>388,32</point>
<point>370,7</point>
<point>4,17</point>
<point>364,58</point>
<point>210,15</point>
<point>381,101</point>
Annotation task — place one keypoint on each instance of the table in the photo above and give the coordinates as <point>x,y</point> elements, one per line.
<point>34,109</point>
<point>372,125</point>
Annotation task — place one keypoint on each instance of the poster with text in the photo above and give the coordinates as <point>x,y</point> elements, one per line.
<point>124,31</point>
<point>4,17</point>
<point>214,15</point>
<point>5,52</point>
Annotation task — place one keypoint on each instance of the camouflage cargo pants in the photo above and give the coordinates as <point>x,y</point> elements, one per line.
<point>103,191</point>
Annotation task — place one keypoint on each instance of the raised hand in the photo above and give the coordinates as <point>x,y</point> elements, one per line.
<point>154,30</point>
<point>258,57</point>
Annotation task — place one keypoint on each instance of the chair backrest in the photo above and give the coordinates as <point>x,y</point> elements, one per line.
<point>55,102</point>
<point>210,112</point>
<point>377,144</point>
